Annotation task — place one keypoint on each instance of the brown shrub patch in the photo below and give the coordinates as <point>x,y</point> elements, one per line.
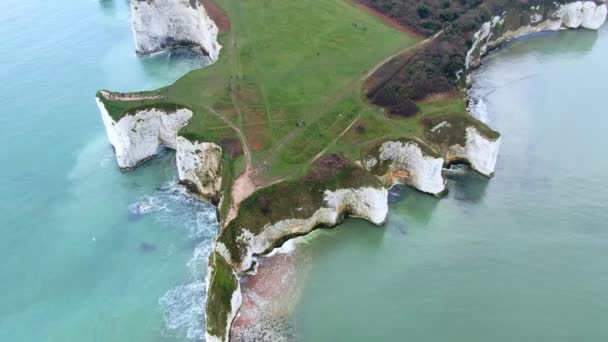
<point>326,167</point>
<point>394,23</point>
<point>257,134</point>
<point>217,14</point>
<point>232,146</point>
<point>247,94</point>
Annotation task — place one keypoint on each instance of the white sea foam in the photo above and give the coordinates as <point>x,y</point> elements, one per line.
<point>147,205</point>
<point>479,109</point>
<point>183,310</point>
<point>183,306</point>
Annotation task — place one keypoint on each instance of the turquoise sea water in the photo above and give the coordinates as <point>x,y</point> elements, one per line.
<point>77,264</point>
<point>520,257</point>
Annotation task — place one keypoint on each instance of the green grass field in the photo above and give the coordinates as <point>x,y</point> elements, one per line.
<point>285,62</point>
<point>288,86</point>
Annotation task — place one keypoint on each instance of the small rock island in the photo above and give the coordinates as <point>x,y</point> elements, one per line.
<point>311,110</point>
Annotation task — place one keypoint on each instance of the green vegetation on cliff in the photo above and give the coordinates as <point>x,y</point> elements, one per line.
<point>293,199</point>
<point>437,67</point>
<point>285,102</point>
<point>223,283</point>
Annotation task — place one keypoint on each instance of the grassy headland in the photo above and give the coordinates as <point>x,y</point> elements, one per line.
<point>286,96</point>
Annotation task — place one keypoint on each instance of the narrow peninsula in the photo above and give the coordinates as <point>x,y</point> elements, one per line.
<point>312,109</point>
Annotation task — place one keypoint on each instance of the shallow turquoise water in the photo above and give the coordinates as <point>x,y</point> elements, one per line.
<point>520,257</point>
<point>77,265</point>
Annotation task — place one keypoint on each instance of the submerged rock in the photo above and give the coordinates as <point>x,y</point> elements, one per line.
<point>147,247</point>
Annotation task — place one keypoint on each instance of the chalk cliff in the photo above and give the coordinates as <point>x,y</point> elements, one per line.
<point>515,23</point>
<point>199,166</point>
<point>224,299</point>
<point>479,151</point>
<point>368,203</point>
<point>162,24</point>
<point>139,137</point>
<point>404,161</point>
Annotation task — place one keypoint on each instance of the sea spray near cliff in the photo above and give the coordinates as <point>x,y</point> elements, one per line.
<point>77,264</point>
<point>182,306</point>
<point>516,258</point>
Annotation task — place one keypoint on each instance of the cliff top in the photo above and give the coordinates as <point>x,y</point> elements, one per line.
<point>288,86</point>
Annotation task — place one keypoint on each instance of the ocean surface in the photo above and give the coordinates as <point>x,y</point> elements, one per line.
<point>93,254</point>
<point>519,257</point>
<point>89,253</point>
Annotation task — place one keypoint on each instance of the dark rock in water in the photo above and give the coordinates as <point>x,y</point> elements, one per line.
<point>147,247</point>
<point>395,193</point>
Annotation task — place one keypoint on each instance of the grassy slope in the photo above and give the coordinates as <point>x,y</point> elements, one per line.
<point>287,61</point>
<point>224,283</point>
<point>284,62</point>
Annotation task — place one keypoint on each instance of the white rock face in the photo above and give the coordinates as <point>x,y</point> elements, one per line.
<point>199,165</point>
<point>161,24</point>
<point>410,165</point>
<point>479,151</point>
<point>367,203</point>
<point>137,138</point>
<point>577,14</point>
<point>594,16</point>
<point>573,14</point>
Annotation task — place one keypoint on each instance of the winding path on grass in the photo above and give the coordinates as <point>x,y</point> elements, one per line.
<point>244,185</point>
<point>399,53</point>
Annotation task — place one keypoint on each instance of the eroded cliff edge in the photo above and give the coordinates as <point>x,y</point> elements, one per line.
<point>333,186</point>
<point>159,25</point>
<point>140,134</point>
<point>548,16</point>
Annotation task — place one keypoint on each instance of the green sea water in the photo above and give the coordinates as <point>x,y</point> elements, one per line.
<point>78,262</point>
<point>519,257</point>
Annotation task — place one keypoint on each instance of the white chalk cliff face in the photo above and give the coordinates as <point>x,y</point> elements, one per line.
<point>161,24</point>
<point>577,14</point>
<point>199,166</point>
<point>367,203</point>
<point>480,151</point>
<point>408,164</point>
<point>138,137</point>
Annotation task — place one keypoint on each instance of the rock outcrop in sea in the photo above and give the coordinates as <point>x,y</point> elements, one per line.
<point>334,187</point>
<point>139,136</point>
<point>405,161</point>
<point>163,24</point>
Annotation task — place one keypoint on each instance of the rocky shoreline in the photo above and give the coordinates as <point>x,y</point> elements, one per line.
<point>358,190</point>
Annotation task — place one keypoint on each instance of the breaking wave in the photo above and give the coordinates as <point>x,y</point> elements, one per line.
<point>183,306</point>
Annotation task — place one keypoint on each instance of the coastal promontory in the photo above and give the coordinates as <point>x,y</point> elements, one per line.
<point>313,109</point>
